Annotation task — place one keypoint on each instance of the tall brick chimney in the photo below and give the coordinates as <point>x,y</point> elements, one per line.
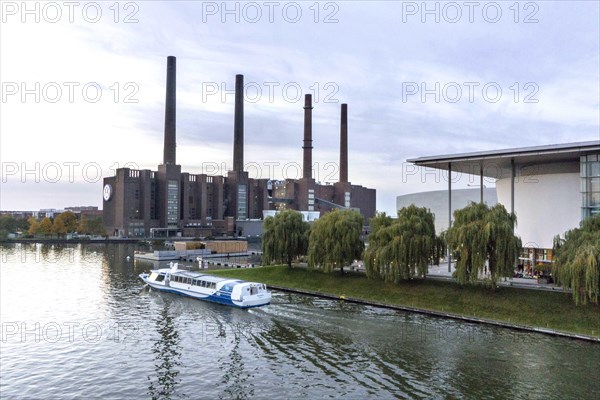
<point>238,125</point>
<point>307,146</point>
<point>344,144</point>
<point>170,117</point>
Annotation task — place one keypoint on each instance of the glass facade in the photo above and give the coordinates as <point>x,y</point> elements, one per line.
<point>242,202</point>
<point>172,203</point>
<point>590,185</point>
<point>136,228</point>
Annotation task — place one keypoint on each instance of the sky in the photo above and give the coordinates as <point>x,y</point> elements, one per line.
<point>83,88</point>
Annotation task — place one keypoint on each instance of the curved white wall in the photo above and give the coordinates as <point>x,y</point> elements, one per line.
<point>545,204</point>
<point>437,202</point>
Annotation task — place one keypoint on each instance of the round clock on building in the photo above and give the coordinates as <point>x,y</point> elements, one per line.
<point>107,192</point>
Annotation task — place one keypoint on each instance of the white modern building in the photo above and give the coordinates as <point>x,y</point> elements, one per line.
<point>549,188</point>
<point>437,202</point>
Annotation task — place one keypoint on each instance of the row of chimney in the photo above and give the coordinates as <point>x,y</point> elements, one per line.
<point>238,127</point>
<point>307,146</point>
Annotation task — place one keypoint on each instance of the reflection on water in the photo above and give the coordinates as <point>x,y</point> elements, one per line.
<point>167,350</point>
<point>235,379</point>
<point>165,346</point>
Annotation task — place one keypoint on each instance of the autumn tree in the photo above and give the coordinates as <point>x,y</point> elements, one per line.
<point>403,248</point>
<point>67,219</point>
<point>481,235</point>
<point>284,238</point>
<point>34,226</point>
<point>46,226</point>
<point>334,240</point>
<point>59,227</point>
<point>577,260</point>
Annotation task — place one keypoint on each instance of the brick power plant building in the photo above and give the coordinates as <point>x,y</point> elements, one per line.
<point>168,202</point>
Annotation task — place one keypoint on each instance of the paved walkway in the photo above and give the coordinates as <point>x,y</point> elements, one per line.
<point>440,272</point>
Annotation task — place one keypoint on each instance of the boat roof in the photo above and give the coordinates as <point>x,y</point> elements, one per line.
<point>198,275</point>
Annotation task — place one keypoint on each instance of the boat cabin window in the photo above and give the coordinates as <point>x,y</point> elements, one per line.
<point>160,278</point>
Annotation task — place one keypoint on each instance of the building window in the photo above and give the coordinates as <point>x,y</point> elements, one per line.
<point>590,185</point>
<point>242,202</point>
<point>172,203</point>
<point>311,199</point>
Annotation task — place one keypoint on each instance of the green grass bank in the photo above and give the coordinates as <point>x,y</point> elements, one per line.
<point>535,308</point>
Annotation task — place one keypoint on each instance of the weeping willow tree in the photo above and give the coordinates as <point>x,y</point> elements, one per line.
<point>577,261</point>
<point>334,240</point>
<point>403,248</point>
<point>284,238</point>
<point>481,235</point>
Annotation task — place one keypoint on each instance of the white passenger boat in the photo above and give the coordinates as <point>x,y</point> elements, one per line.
<point>232,292</point>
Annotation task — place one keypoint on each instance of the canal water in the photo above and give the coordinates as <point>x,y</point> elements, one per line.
<point>78,323</point>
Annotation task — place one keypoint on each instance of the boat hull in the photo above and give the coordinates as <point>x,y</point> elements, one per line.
<point>217,297</point>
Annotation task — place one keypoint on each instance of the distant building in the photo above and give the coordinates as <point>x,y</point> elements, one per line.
<point>47,213</point>
<point>437,202</point>
<point>88,212</point>
<point>168,202</point>
<point>18,214</point>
